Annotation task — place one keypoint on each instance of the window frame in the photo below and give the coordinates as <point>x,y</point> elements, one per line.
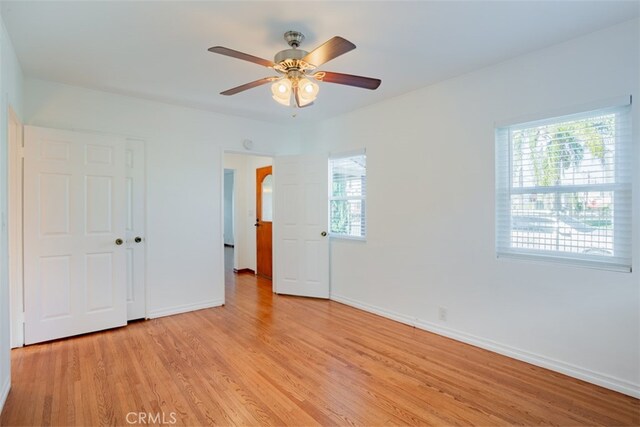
<point>621,186</point>
<point>362,198</point>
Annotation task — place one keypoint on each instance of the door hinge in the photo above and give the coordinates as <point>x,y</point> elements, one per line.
<point>21,317</point>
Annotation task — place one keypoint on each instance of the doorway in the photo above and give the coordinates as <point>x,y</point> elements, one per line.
<point>244,210</point>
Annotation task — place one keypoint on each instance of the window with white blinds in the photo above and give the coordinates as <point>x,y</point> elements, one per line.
<point>347,198</point>
<point>564,189</point>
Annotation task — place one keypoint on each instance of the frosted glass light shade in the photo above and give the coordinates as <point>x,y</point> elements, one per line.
<point>281,90</point>
<point>307,91</point>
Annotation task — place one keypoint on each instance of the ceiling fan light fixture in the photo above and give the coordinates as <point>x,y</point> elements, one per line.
<point>281,90</point>
<point>307,91</point>
<point>296,67</point>
<point>308,87</point>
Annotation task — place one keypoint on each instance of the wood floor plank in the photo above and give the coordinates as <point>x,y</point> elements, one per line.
<point>266,359</point>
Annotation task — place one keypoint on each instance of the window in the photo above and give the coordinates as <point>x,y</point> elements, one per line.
<point>348,188</point>
<point>564,189</point>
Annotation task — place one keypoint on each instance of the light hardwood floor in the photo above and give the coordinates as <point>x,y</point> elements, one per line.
<point>265,359</point>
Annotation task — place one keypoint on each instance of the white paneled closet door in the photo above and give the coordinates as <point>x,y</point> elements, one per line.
<point>74,230</point>
<point>135,228</point>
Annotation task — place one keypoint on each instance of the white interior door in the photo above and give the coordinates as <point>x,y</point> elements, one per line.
<point>74,211</point>
<point>135,225</point>
<point>301,245</point>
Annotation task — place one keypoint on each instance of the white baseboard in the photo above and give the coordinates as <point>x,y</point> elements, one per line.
<point>5,392</point>
<point>584,374</point>
<point>177,309</point>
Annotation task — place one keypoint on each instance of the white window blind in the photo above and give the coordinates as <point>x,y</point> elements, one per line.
<point>563,189</point>
<point>348,189</point>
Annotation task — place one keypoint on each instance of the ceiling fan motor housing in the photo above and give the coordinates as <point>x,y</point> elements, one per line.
<point>289,61</point>
<point>286,54</point>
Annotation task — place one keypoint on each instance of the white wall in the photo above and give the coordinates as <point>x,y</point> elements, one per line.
<point>430,214</point>
<point>184,180</point>
<point>245,206</point>
<point>11,95</point>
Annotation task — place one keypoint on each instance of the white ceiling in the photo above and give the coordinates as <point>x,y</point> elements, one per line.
<point>158,50</point>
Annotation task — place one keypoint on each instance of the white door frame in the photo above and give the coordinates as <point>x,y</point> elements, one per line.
<point>15,151</point>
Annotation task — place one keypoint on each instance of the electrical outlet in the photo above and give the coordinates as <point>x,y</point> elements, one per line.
<point>442,314</point>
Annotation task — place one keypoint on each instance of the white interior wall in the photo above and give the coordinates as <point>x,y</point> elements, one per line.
<point>430,215</point>
<point>245,167</point>
<point>11,82</point>
<point>184,180</point>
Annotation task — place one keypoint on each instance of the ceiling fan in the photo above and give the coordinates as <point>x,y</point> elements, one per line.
<point>296,67</point>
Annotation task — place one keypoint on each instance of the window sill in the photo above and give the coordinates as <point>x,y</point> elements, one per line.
<point>569,262</point>
<point>343,237</point>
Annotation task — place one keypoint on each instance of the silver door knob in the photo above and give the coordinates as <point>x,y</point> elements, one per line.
<point>323,234</point>
<point>138,239</point>
<point>119,242</point>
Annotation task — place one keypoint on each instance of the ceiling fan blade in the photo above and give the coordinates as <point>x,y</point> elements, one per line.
<point>347,79</point>
<point>328,51</point>
<point>251,85</point>
<point>239,55</point>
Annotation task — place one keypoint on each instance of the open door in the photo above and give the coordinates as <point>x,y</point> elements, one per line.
<point>301,244</point>
<point>74,232</point>
<point>264,222</point>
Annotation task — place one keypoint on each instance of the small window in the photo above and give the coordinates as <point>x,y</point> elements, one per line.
<point>564,189</point>
<point>348,188</point>
<point>267,198</point>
